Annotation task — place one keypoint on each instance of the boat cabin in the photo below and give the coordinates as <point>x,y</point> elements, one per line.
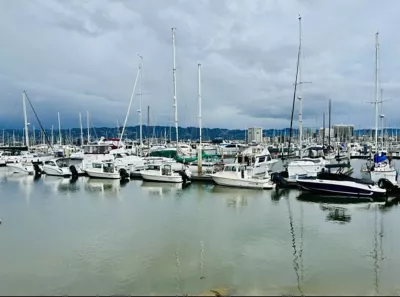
<point>165,169</point>
<point>58,163</point>
<point>97,149</point>
<point>107,167</point>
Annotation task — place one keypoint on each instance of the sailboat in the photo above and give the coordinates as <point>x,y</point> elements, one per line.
<point>164,172</point>
<point>380,169</point>
<point>313,163</point>
<point>24,164</point>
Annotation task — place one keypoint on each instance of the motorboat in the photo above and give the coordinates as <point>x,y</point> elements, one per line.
<point>240,176</point>
<point>341,184</point>
<point>164,173</point>
<point>106,170</point>
<point>63,167</point>
<point>258,157</point>
<point>21,167</point>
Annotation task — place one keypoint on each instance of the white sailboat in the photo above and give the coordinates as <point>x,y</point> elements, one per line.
<point>313,163</point>
<point>165,172</point>
<point>23,165</point>
<point>380,168</point>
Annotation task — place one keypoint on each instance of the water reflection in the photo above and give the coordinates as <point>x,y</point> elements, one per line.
<point>102,186</point>
<point>336,214</point>
<point>25,183</point>
<point>295,254</point>
<point>160,189</point>
<point>60,184</point>
<point>318,198</point>
<point>278,194</point>
<point>236,197</point>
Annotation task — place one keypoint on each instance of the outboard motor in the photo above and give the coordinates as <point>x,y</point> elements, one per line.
<point>124,174</point>
<point>38,171</point>
<point>278,179</point>
<point>384,183</point>
<point>185,177</point>
<point>74,171</point>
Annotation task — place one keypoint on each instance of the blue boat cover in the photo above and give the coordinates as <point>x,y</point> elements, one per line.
<point>379,158</point>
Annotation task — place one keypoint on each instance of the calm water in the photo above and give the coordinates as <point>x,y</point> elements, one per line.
<point>101,237</point>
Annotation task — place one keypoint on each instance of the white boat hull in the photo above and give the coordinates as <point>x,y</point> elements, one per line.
<point>250,183</point>
<point>107,175</point>
<point>21,168</point>
<point>156,177</point>
<point>56,171</point>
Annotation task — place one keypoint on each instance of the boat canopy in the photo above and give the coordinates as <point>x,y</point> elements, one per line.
<point>378,158</point>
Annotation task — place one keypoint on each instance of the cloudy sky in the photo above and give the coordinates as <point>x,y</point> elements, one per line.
<point>81,55</point>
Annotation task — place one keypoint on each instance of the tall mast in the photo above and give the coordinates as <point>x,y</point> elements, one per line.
<point>140,106</point>
<point>199,154</point>
<point>33,135</point>
<point>376,88</point>
<point>148,128</point>
<point>25,120</point>
<point>323,131</point>
<point>299,97</point>
<point>52,135</point>
<point>199,99</point>
<point>80,123</point>
<point>382,121</point>
<point>59,129</point>
<point>88,127</point>
<point>294,100</point>
<point>174,81</point>
<point>329,123</point>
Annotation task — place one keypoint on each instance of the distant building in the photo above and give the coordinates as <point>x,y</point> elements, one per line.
<point>255,134</point>
<point>321,133</point>
<point>343,132</point>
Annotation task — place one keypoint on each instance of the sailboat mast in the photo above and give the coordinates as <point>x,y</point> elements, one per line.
<point>25,120</point>
<point>299,97</point>
<point>199,99</point>
<point>88,127</point>
<point>52,135</point>
<point>329,123</point>
<point>140,107</point>
<point>376,88</point>
<point>148,128</point>
<point>129,106</point>
<point>294,98</point>
<point>199,154</point>
<point>80,123</point>
<point>174,81</point>
<point>382,121</point>
<point>59,128</point>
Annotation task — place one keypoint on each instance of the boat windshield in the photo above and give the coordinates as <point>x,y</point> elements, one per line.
<point>62,163</point>
<point>166,170</point>
<point>96,149</point>
<point>108,167</point>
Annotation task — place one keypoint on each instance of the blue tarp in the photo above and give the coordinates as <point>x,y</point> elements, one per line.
<point>379,158</point>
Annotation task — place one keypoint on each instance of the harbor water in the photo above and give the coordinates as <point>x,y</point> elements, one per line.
<point>102,237</point>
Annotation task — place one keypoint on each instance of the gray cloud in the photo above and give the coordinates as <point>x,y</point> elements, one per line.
<point>78,56</point>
